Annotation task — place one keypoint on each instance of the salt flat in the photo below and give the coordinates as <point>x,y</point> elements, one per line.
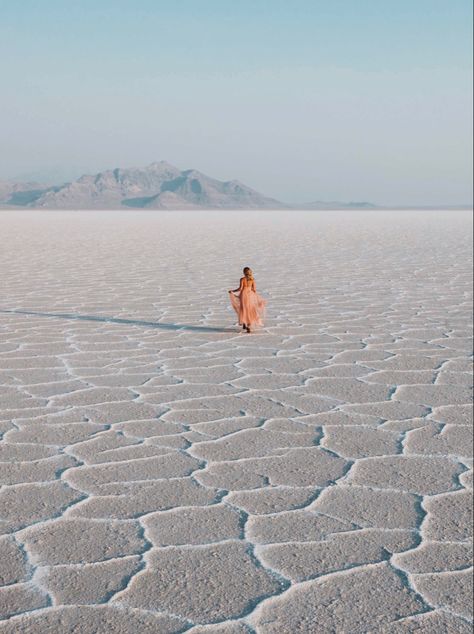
<point>163,472</point>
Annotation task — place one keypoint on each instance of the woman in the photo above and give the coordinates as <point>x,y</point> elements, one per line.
<point>248,305</point>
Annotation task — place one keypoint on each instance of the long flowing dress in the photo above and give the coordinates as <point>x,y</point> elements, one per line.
<point>249,305</point>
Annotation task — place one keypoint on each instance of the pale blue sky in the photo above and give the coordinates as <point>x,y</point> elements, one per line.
<point>301,99</point>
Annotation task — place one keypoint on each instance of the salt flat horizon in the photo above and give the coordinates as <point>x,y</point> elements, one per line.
<point>161,471</point>
<point>296,208</point>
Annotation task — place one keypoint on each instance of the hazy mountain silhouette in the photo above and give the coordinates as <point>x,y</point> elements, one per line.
<point>157,186</point>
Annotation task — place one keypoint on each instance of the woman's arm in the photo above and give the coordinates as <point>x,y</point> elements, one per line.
<point>237,290</point>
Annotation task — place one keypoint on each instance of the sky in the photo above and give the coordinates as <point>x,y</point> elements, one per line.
<point>303,100</point>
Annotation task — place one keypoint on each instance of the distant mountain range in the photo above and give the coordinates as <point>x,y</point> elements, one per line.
<point>157,186</point>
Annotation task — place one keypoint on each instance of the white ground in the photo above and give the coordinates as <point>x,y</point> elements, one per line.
<point>162,471</point>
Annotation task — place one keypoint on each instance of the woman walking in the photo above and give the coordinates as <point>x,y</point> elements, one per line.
<point>248,304</point>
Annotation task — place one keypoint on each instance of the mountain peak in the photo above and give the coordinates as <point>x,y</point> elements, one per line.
<point>159,185</point>
<point>161,165</point>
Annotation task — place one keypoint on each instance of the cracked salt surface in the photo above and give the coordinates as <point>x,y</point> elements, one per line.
<point>162,472</point>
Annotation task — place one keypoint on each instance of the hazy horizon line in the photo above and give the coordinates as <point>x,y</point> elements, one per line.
<point>36,177</point>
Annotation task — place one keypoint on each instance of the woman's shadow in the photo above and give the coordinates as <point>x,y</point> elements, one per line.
<point>117,320</point>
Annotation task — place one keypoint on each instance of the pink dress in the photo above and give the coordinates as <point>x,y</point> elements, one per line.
<point>249,305</point>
